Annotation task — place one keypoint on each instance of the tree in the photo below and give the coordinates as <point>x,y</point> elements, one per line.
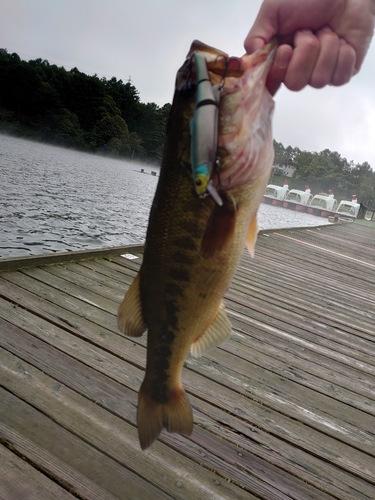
<point>112,135</point>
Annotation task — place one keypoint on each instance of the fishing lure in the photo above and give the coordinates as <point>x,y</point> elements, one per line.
<point>204,131</point>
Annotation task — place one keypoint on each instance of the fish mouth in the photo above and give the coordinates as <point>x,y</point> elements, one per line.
<point>245,111</point>
<point>221,66</point>
<point>250,67</point>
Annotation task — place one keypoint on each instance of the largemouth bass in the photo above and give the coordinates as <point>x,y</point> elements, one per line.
<point>194,242</point>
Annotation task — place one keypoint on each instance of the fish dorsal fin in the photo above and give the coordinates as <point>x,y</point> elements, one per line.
<point>129,319</point>
<point>219,330</point>
<point>252,236</point>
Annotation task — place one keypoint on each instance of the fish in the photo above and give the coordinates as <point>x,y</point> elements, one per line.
<point>195,240</point>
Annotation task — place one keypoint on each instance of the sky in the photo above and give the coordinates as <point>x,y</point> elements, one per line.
<point>147,41</point>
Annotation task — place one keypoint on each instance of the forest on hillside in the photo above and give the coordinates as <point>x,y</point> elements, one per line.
<point>42,101</point>
<point>45,102</point>
<point>327,170</point>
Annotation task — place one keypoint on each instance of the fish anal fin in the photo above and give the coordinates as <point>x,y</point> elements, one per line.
<point>252,236</point>
<point>219,330</point>
<point>129,318</point>
<point>175,415</point>
<point>220,228</point>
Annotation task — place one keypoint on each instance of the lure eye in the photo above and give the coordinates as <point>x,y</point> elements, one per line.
<point>201,184</point>
<point>201,179</point>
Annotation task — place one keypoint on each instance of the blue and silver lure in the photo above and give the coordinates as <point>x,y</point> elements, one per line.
<point>204,131</point>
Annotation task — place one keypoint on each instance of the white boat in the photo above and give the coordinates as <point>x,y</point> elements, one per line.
<point>323,204</point>
<point>274,195</point>
<point>298,200</point>
<point>348,209</point>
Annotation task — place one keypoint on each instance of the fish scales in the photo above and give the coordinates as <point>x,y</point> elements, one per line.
<point>193,245</point>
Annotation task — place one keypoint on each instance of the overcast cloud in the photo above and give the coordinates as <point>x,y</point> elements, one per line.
<point>147,40</point>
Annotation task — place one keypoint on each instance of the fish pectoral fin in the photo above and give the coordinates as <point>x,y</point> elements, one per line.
<point>252,236</point>
<point>129,318</point>
<point>219,330</point>
<point>175,415</point>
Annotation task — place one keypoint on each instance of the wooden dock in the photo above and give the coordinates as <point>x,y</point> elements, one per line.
<point>285,409</point>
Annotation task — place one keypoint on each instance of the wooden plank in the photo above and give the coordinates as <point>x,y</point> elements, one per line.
<point>312,331</point>
<point>129,264</point>
<point>286,486</point>
<point>277,424</point>
<point>274,382</point>
<point>87,295</point>
<point>316,410</point>
<point>107,269</point>
<point>29,290</point>
<point>167,469</point>
<point>290,360</point>
<point>307,274</point>
<point>258,468</point>
<point>11,263</point>
<point>295,278</point>
<point>316,258</point>
<point>19,480</point>
<point>309,299</point>
<point>250,437</point>
<point>91,280</point>
<point>293,390</point>
<point>83,470</point>
<point>360,324</point>
<point>77,337</point>
<point>349,397</point>
<point>348,410</point>
<point>367,358</point>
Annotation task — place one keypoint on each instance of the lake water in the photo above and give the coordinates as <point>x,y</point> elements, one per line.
<point>54,199</point>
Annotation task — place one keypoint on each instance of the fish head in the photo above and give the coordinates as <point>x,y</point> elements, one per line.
<point>245,148</point>
<point>245,127</point>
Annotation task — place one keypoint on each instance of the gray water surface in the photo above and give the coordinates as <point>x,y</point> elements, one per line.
<point>54,199</point>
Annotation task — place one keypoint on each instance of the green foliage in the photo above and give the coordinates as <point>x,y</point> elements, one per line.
<point>70,108</point>
<point>328,170</point>
<point>39,99</point>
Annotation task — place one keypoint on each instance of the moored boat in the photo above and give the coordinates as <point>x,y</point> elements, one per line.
<point>348,209</point>
<point>323,205</point>
<point>298,200</point>
<point>275,195</point>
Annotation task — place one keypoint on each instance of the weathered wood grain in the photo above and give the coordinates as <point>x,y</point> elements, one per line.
<point>283,409</point>
<point>61,455</point>
<point>161,465</point>
<point>10,264</point>
<point>19,480</point>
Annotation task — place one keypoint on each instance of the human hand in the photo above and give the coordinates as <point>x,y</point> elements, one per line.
<point>321,42</point>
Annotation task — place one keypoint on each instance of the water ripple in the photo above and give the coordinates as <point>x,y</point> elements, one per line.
<point>55,199</point>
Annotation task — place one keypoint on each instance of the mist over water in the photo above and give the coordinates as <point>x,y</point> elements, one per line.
<point>54,199</point>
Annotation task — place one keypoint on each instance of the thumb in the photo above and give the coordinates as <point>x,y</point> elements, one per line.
<point>252,44</point>
<point>263,29</point>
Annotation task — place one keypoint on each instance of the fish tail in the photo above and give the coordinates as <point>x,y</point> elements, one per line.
<point>175,415</point>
